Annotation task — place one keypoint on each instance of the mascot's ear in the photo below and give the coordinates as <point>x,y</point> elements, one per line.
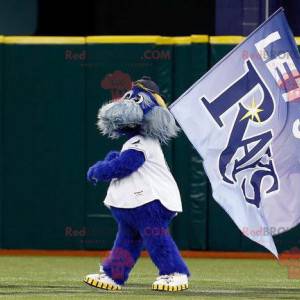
<point>159,123</point>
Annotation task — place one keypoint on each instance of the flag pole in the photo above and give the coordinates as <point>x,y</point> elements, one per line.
<point>267,7</point>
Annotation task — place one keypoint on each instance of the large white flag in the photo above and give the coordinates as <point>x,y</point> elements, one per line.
<point>243,117</point>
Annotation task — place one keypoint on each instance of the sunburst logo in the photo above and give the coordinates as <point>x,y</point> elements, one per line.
<point>253,112</point>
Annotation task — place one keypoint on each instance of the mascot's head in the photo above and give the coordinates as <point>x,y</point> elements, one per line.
<point>141,110</point>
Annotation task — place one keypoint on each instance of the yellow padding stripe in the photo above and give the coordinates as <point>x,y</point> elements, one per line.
<point>144,39</point>
<point>182,40</point>
<point>230,40</point>
<point>164,40</point>
<point>129,39</point>
<point>122,39</point>
<point>187,40</point>
<point>199,38</point>
<point>43,40</point>
<point>234,39</point>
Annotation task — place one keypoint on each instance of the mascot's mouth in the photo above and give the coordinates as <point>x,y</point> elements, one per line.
<point>130,126</point>
<point>129,130</point>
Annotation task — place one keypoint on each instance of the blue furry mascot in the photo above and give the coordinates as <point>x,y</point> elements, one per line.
<point>143,196</point>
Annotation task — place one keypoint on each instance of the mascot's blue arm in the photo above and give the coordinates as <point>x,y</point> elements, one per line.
<point>112,155</point>
<point>116,165</point>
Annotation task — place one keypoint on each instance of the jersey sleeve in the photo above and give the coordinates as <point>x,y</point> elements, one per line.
<point>139,144</point>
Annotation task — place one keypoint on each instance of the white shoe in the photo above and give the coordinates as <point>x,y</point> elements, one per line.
<point>102,281</point>
<point>171,283</point>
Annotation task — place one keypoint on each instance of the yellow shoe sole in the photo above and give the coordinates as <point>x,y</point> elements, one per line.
<point>167,288</point>
<point>101,285</point>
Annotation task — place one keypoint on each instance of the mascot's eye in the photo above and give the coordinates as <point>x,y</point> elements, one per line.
<point>138,98</point>
<point>127,95</point>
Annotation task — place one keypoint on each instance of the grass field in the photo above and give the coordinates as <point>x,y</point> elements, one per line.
<point>61,278</point>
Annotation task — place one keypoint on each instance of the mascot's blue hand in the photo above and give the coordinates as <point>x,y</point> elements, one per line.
<point>126,163</point>
<point>91,173</point>
<point>112,155</point>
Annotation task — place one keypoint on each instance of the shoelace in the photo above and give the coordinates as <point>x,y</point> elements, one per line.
<point>167,278</point>
<point>104,276</point>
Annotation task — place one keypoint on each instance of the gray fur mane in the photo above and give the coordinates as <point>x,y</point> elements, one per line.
<point>158,123</point>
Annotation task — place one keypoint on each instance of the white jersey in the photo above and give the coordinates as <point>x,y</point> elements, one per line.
<point>152,181</point>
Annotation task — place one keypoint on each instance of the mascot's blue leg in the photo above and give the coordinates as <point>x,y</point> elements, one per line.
<point>126,250</point>
<point>153,220</point>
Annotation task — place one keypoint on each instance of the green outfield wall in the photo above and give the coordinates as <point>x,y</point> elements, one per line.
<point>50,91</point>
